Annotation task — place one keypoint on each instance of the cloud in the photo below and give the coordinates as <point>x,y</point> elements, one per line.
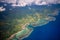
<point>2,9</point>
<point>30,2</point>
<point>40,3</point>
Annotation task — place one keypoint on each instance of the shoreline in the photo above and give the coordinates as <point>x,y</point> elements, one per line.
<point>21,34</point>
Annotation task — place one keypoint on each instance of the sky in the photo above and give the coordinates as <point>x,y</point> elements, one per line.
<point>30,2</point>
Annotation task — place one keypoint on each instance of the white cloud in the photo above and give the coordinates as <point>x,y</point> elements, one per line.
<point>41,3</point>
<point>29,2</point>
<point>2,9</point>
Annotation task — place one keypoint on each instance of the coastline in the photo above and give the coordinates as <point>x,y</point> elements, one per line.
<point>21,34</point>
